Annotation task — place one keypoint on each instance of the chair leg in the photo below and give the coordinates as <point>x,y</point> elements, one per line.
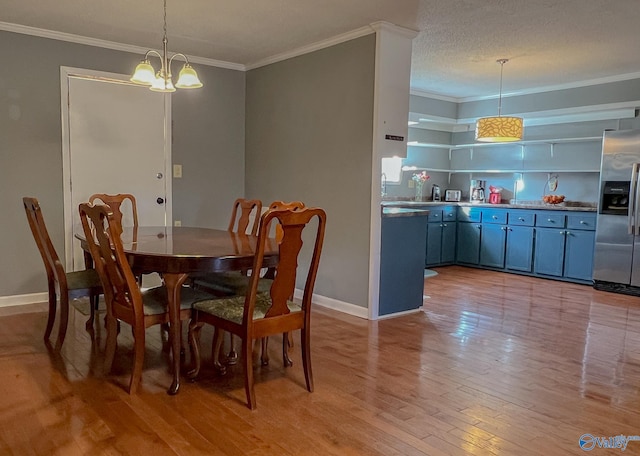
<point>305,334</point>
<point>194,343</point>
<point>247,361</point>
<point>53,299</point>
<point>217,346</point>
<point>138,358</point>
<point>285,349</point>
<point>94,301</point>
<point>111,343</point>
<point>264,356</point>
<point>64,319</point>
<point>232,356</point>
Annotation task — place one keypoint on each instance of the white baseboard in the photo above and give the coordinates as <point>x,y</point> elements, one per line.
<point>334,304</point>
<point>398,314</point>
<point>20,300</point>
<point>330,303</point>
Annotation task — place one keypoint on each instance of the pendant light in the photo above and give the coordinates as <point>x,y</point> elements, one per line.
<point>499,129</point>
<point>161,81</point>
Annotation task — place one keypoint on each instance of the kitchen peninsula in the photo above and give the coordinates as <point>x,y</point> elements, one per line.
<point>402,248</point>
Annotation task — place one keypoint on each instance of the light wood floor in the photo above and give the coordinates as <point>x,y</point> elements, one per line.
<point>495,364</point>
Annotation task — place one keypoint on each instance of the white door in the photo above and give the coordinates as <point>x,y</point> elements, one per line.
<point>116,139</point>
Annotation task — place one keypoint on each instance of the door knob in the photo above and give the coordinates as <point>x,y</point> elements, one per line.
<point>160,200</point>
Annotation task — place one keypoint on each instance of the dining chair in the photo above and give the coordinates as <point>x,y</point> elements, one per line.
<point>115,202</point>
<point>244,213</point>
<point>124,299</point>
<point>62,285</point>
<point>236,282</point>
<point>261,314</point>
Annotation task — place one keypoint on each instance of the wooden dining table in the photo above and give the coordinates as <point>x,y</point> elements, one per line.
<point>175,252</point>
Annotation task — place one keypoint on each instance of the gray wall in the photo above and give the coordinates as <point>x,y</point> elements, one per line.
<point>309,137</point>
<point>208,142</point>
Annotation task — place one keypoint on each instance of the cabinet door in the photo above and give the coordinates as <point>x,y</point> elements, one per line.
<point>468,245</point>
<point>492,245</point>
<point>549,252</point>
<point>448,251</point>
<point>434,243</point>
<point>519,248</point>
<point>578,259</point>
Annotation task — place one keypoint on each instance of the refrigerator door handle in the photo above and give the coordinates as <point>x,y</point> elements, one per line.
<point>633,201</point>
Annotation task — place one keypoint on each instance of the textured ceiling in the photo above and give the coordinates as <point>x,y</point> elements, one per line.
<point>549,43</point>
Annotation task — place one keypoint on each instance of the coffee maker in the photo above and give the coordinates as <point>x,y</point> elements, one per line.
<point>476,191</point>
<point>435,192</point>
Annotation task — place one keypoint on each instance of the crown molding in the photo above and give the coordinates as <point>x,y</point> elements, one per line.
<point>357,33</point>
<point>434,96</point>
<point>68,37</point>
<point>383,26</point>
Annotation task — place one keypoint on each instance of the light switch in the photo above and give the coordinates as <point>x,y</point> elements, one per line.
<point>177,223</point>
<point>177,171</point>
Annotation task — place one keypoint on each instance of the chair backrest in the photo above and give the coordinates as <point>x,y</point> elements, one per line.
<point>121,290</point>
<point>281,205</point>
<point>115,202</point>
<point>55,269</point>
<point>241,215</point>
<point>293,222</point>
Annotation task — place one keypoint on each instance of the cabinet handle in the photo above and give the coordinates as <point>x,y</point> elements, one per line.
<point>521,219</point>
<point>479,226</point>
<point>444,225</point>
<point>503,228</point>
<point>509,229</point>
<point>563,232</point>
<point>495,217</point>
<point>449,215</point>
<point>550,221</point>
<point>582,222</point>
<point>567,233</point>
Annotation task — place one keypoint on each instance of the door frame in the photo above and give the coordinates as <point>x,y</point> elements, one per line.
<point>67,73</point>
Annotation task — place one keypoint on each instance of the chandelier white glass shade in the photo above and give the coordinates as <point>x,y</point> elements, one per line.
<point>161,81</point>
<point>499,129</point>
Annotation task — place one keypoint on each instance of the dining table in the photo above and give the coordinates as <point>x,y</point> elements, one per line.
<point>174,252</point>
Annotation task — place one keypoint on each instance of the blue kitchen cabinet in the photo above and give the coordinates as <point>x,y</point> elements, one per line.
<point>520,241</point>
<point>549,252</point>
<point>580,243</point>
<point>468,243</point>
<point>492,245</point>
<point>565,251</point>
<point>441,236</point>
<point>448,253</point>
<point>493,238</point>
<point>434,244</point>
<point>578,259</point>
<point>519,249</point>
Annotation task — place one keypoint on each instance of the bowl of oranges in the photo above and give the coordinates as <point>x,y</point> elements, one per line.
<point>553,199</point>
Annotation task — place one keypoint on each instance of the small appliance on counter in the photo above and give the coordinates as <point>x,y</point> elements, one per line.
<point>476,191</point>
<point>452,195</point>
<point>495,194</point>
<point>435,192</point>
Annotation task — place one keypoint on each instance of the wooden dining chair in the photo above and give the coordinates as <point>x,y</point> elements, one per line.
<point>115,202</point>
<point>62,285</point>
<point>261,314</point>
<point>236,282</point>
<point>124,299</point>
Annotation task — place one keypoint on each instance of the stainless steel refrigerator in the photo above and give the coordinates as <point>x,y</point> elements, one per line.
<point>617,253</point>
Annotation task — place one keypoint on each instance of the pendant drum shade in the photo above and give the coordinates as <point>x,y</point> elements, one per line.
<point>499,129</point>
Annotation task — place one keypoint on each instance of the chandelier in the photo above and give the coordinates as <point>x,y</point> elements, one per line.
<point>161,81</point>
<point>499,129</point>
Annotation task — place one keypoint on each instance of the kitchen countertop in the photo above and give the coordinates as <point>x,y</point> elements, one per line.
<point>400,211</point>
<point>566,206</point>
